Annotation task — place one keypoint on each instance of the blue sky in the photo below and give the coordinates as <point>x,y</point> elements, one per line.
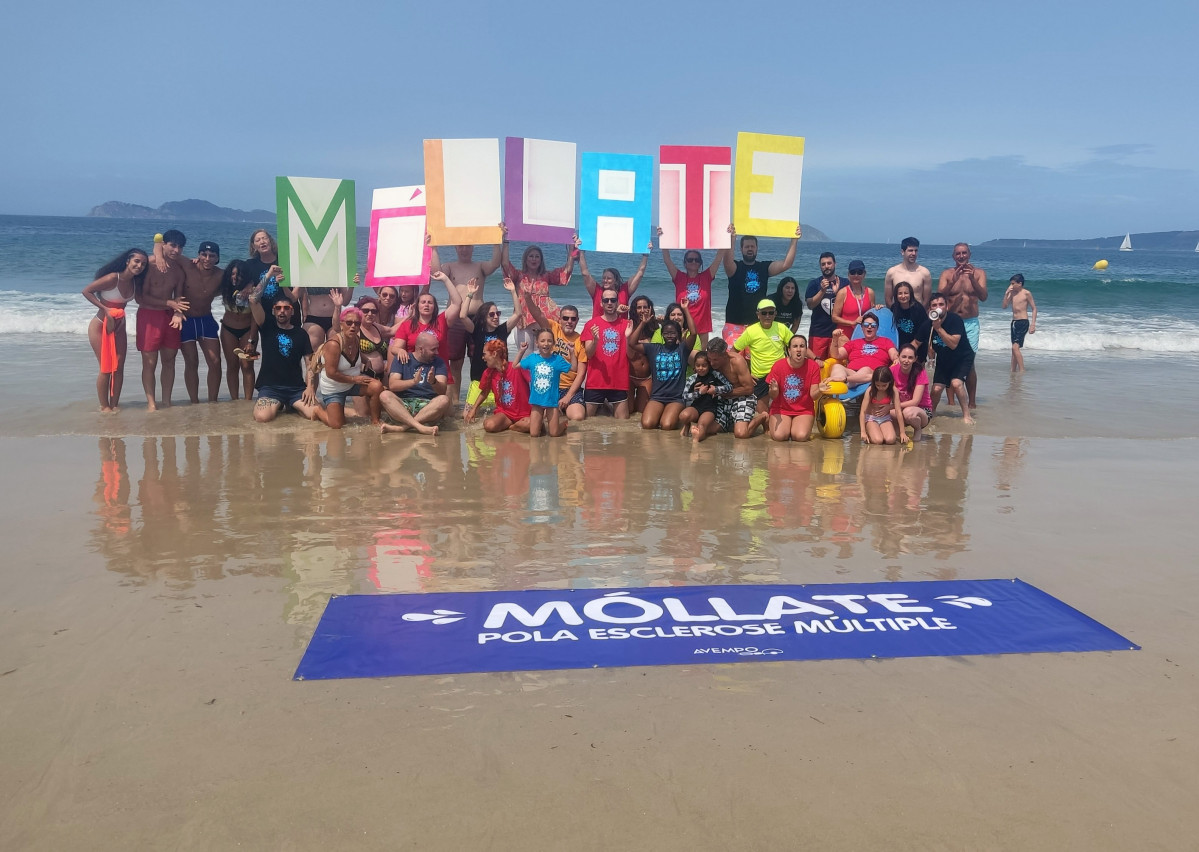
<point>944,120</point>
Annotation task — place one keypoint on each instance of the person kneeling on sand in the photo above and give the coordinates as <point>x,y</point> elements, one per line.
<point>285,352</point>
<point>738,412</point>
<point>507,380</point>
<point>416,389</point>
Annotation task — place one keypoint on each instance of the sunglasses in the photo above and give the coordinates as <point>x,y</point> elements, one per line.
<point>691,260</point>
<point>766,313</point>
<point>493,313</point>
<point>869,325</point>
<point>351,323</point>
<point>370,310</point>
<point>285,308</point>
<point>570,319</point>
<point>609,301</point>
<point>859,272</point>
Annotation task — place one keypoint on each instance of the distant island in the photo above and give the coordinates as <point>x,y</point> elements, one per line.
<point>1157,240</point>
<point>196,210</point>
<point>189,210</point>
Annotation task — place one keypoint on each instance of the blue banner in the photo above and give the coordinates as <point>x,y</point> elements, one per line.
<point>454,632</point>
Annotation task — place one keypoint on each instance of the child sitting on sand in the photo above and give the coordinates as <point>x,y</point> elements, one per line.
<point>881,417</point>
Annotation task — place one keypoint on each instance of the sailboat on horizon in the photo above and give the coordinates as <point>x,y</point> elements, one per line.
<point>1127,244</point>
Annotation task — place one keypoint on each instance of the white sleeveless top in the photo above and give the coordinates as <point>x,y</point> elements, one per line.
<point>326,385</point>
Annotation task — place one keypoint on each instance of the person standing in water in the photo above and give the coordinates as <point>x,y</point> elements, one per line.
<point>114,287</point>
<point>964,285</point>
<point>1024,317</point>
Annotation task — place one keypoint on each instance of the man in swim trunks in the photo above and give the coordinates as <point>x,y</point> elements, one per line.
<point>955,355</point>
<point>202,280</point>
<point>820,329</point>
<point>964,286</point>
<point>416,391</point>
<point>767,342</point>
<point>748,278</point>
<point>738,412</point>
<point>284,379</point>
<point>864,355</point>
<point>1024,317</point>
<point>910,271</point>
<point>161,306</point>
<point>461,271</point>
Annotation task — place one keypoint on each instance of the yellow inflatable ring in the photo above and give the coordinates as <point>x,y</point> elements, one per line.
<point>836,388</point>
<point>830,418</point>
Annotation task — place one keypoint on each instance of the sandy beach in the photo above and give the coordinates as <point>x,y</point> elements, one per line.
<point>165,573</point>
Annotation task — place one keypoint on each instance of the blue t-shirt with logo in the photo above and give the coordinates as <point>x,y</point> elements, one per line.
<point>544,374</point>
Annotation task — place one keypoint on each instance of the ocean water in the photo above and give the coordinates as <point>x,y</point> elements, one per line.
<point>1144,303</point>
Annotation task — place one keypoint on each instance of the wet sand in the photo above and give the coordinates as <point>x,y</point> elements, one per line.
<point>159,592</point>
<point>164,573</point>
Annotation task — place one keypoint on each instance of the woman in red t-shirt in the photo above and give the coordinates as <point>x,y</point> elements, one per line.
<point>794,384</point>
<point>694,283</point>
<point>427,317</point>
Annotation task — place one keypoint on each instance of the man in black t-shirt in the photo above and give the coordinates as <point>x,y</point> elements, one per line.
<point>955,356</point>
<point>820,295</point>
<point>283,378</point>
<point>748,279</point>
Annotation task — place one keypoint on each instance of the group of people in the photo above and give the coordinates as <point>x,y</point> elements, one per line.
<point>396,357</point>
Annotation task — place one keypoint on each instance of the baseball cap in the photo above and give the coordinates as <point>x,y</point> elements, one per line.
<point>209,245</point>
<point>764,304</point>
<point>857,266</point>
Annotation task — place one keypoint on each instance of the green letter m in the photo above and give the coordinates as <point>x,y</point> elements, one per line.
<point>318,239</point>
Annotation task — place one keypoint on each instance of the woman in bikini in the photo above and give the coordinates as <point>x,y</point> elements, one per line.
<point>115,284</point>
<point>319,311</point>
<point>641,315</point>
<point>372,338</point>
<point>239,332</point>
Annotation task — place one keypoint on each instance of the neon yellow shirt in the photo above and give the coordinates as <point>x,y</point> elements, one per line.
<point>766,345</point>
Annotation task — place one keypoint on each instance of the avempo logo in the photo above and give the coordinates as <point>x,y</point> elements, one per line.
<point>742,652</point>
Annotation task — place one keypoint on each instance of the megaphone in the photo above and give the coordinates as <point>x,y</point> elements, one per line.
<point>934,315</point>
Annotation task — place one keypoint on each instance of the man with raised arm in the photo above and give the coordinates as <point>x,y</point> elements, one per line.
<point>910,271</point>
<point>568,343</point>
<point>955,355</point>
<point>964,285</point>
<point>461,271</point>
<point>284,379</point>
<point>748,279</point>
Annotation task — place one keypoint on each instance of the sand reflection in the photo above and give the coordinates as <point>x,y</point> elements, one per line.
<point>347,512</point>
